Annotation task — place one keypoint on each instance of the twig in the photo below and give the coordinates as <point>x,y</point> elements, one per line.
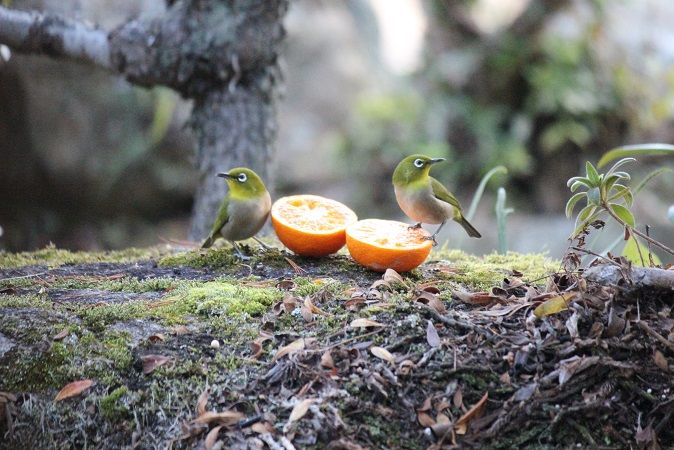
<point>456,323</point>
<point>590,252</point>
<point>24,276</point>
<point>644,326</point>
<point>639,233</point>
<point>31,32</point>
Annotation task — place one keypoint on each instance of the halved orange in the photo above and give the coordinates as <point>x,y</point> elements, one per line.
<point>387,244</point>
<point>311,225</point>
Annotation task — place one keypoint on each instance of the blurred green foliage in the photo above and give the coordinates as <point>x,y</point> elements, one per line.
<point>528,97</point>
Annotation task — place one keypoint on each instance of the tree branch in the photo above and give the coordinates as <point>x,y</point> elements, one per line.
<point>53,35</point>
<point>195,47</point>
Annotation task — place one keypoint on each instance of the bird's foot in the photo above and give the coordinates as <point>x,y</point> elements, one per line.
<point>416,226</point>
<point>263,246</point>
<point>431,238</point>
<point>239,254</point>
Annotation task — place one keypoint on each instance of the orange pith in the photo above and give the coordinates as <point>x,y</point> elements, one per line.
<point>311,225</point>
<point>387,244</point>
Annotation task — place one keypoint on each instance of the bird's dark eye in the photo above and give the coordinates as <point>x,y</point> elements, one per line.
<point>419,163</point>
<point>242,177</point>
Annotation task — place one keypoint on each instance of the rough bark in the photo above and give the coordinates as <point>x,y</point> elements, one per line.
<point>221,54</point>
<point>233,128</point>
<point>632,278</point>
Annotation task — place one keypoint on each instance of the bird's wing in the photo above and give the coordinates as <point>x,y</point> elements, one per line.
<point>441,193</point>
<point>222,217</point>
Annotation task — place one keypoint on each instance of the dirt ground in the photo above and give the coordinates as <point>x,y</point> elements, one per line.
<point>200,350</point>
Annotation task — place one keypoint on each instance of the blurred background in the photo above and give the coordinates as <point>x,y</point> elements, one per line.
<point>88,161</point>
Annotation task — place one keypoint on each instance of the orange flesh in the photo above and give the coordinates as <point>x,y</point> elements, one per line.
<point>314,214</point>
<point>382,244</point>
<point>310,225</point>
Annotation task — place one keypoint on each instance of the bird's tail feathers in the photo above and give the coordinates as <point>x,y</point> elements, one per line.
<point>208,242</point>
<point>472,232</point>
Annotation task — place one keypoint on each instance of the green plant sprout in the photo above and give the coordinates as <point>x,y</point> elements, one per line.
<point>501,213</point>
<point>606,193</point>
<point>480,189</point>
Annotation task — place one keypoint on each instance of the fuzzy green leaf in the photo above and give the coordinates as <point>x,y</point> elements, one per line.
<point>623,213</point>
<point>592,174</point>
<point>581,181</point>
<point>585,216</point>
<point>571,204</point>
<point>619,163</point>
<point>636,150</point>
<point>577,184</point>
<point>621,191</point>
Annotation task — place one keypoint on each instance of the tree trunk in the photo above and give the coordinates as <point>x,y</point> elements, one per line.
<point>234,128</point>
<point>223,54</point>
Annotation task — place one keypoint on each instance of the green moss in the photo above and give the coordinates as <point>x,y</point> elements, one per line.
<point>305,286</point>
<point>219,298</point>
<point>54,257</point>
<point>212,257</point>
<point>25,371</point>
<point>24,301</point>
<point>97,318</point>
<point>112,406</point>
<point>483,272</point>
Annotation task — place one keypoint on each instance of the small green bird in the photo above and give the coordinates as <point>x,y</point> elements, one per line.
<point>424,199</point>
<point>243,211</point>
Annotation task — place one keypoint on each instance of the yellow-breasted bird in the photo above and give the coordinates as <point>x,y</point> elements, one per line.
<point>243,211</point>
<point>424,199</point>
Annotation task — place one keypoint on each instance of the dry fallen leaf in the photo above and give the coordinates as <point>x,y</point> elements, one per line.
<point>307,315</point>
<point>73,389</point>
<point>382,353</point>
<point>458,398</point>
<point>364,323</point>
<point>661,361</point>
<point>65,332</point>
<point>308,303</point>
<point>156,338</point>
<point>476,411</point>
<point>151,362</point>
<point>425,420</point>
<point>294,346</point>
<point>392,277</point>
<point>426,405</point>
<point>262,427</point>
<point>255,349</point>
<point>406,366</point>
<point>212,437</point>
<point>431,300</point>
<point>476,298</point>
<point>327,361</point>
<point>300,410</point>
<point>432,336</point>
<point>226,418</point>
<point>554,305</point>
<point>201,402</point>
<point>180,330</point>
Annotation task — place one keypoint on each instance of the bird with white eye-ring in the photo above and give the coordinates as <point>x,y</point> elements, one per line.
<point>424,199</point>
<point>243,211</point>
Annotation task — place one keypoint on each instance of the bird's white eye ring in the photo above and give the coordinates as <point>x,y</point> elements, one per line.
<point>419,163</point>
<point>242,177</point>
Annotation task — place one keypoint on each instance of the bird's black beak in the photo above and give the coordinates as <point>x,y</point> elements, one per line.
<point>436,160</point>
<point>226,175</point>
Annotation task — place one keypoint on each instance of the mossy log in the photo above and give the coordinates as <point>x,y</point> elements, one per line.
<point>315,353</point>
